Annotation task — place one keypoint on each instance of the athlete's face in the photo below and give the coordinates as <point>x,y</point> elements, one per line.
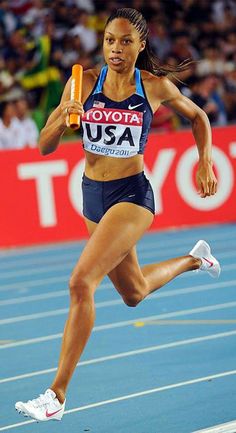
<point>121,45</point>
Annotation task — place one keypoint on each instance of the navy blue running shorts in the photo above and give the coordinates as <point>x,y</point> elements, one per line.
<point>99,196</point>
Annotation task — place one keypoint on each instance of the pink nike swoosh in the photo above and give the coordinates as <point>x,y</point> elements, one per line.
<point>209,261</point>
<point>48,415</point>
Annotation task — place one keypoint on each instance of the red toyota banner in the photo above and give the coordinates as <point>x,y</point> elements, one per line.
<point>41,198</point>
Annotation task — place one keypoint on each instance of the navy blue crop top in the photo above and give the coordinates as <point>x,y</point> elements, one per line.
<point>117,129</point>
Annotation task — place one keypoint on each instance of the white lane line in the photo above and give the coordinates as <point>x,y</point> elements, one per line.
<point>184,322</point>
<point>19,251</point>
<point>11,253</point>
<point>154,390</point>
<point>127,354</point>
<point>5,341</point>
<point>145,245</point>
<point>67,261</point>
<point>134,395</point>
<point>114,302</point>
<point>32,341</point>
<point>147,255</point>
<point>167,315</point>
<point>19,424</point>
<point>126,323</point>
<point>35,298</point>
<point>104,286</point>
<point>228,427</point>
<point>40,265</point>
<point>25,285</point>
<point>66,265</point>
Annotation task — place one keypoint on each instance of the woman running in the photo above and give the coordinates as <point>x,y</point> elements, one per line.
<point>118,205</point>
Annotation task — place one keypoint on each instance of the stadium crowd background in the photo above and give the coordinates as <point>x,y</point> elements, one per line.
<point>40,40</point>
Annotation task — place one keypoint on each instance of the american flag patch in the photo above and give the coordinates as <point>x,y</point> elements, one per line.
<point>99,104</point>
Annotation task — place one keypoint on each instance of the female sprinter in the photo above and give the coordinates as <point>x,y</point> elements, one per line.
<point>118,104</point>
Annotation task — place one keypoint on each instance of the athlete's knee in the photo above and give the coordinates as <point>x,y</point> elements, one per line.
<point>134,292</point>
<point>132,299</point>
<point>81,288</point>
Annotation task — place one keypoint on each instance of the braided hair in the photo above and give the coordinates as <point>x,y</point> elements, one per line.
<point>146,59</point>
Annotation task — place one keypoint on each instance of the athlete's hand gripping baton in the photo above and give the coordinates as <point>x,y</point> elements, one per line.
<point>75,94</point>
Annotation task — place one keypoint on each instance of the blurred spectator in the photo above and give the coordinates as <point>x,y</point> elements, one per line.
<point>97,23</point>
<point>228,44</point>
<point>86,5</point>
<point>35,19</point>
<point>178,25</point>
<point>230,93</point>
<point>161,44</point>
<point>218,8</point>
<point>227,17</point>
<point>213,62</point>
<point>182,48</point>
<point>6,78</point>
<point>29,127</point>
<point>15,54</point>
<point>88,37</point>
<point>20,7</point>
<point>204,93</point>
<point>11,130</point>
<point>8,21</point>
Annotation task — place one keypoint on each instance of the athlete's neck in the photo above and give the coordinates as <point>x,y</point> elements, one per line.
<point>119,81</point>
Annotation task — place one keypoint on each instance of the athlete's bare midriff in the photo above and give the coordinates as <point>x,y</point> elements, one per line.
<point>104,168</point>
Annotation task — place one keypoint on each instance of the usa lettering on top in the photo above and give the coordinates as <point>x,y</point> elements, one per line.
<point>118,129</point>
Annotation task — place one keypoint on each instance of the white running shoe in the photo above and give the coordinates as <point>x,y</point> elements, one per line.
<point>209,263</point>
<point>44,408</point>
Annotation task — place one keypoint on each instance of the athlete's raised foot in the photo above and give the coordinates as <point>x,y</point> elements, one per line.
<point>210,264</point>
<point>44,408</point>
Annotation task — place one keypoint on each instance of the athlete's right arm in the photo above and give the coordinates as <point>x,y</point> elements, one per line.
<point>56,124</point>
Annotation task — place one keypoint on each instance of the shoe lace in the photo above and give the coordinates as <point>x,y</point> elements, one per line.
<point>40,401</point>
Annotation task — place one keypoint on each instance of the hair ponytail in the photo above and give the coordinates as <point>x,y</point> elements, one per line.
<point>147,60</point>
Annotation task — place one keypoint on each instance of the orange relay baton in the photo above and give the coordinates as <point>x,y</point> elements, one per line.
<point>75,94</point>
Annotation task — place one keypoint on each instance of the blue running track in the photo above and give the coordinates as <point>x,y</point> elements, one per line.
<point>167,366</point>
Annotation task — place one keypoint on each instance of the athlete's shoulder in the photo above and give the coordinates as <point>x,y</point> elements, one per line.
<point>161,87</point>
<point>148,78</point>
<point>151,82</point>
<point>90,75</point>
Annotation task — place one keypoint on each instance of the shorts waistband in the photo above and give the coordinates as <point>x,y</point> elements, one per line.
<point>115,181</point>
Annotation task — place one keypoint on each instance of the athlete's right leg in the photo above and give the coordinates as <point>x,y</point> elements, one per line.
<point>115,235</point>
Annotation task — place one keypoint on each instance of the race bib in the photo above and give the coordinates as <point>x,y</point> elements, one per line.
<point>112,132</point>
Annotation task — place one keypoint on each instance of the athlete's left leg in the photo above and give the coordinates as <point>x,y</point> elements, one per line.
<point>135,283</point>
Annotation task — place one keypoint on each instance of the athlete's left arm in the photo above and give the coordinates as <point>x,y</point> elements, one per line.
<point>169,94</point>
